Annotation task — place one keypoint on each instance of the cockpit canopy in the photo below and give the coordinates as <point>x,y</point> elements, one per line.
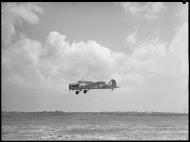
<point>100,82</point>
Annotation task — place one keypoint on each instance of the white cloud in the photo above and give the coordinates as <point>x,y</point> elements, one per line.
<point>151,58</point>
<point>149,10</point>
<point>21,59</point>
<point>53,64</point>
<point>132,38</point>
<point>179,49</point>
<point>80,58</point>
<point>58,62</point>
<point>14,13</point>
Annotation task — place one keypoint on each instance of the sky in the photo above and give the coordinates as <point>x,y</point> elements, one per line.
<point>142,45</point>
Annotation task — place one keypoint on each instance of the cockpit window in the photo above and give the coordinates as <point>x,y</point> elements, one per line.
<point>75,85</point>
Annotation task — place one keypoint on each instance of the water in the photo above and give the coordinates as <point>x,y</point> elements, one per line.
<point>92,126</point>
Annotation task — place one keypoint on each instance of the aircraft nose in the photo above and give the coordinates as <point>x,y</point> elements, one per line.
<point>69,87</point>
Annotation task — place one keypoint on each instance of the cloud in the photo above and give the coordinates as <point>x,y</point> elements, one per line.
<point>13,14</point>
<point>151,58</point>
<point>154,72</point>
<point>19,61</point>
<point>132,38</point>
<point>58,61</point>
<point>148,10</point>
<point>182,13</point>
<point>146,60</point>
<point>179,47</point>
<point>79,58</point>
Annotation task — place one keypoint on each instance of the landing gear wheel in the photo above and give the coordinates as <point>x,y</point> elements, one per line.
<point>76,92</point>
<point>85,91</point>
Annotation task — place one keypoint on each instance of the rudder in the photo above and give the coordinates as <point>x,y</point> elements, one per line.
<point>113,83</point>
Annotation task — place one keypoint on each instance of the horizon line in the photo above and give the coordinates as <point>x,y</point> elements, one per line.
<point>94,111</point>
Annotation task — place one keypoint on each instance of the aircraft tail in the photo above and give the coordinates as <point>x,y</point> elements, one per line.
<point>113,83</point>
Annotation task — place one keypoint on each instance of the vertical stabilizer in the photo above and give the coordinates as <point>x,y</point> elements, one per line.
<point>113,83</point>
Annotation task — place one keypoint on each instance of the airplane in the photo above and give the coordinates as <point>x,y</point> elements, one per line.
<point>87,85</point>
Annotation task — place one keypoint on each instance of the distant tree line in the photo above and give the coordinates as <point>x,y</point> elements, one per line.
<point>128,113</point>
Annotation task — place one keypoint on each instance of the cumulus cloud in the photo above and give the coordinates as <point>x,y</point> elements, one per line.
<point>13,14</point>
<point>152,70</point>
<point>148,10</point>
<point>79,58</point>
<point>151,58</point>
<point>58,61</point>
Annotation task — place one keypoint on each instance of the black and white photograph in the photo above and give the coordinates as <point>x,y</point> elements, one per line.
<point>94,71</point>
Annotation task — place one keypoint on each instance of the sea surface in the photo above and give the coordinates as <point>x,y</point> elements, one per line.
<point>92,126</point>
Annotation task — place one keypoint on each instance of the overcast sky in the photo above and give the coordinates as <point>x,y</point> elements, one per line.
<point>143,46</point>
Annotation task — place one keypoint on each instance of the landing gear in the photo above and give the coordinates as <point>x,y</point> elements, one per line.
<point>77,92</point>
<point>85,91</point>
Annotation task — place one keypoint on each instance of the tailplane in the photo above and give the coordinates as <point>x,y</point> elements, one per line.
<point>113,83</point>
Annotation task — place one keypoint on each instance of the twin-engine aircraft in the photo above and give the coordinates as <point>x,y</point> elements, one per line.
<point>87,85</point>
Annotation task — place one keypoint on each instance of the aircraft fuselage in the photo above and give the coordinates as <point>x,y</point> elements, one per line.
<point>87,85</point>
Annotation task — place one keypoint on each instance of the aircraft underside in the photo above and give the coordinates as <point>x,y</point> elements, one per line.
<point>78,91</point>
<point>86,90</point>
